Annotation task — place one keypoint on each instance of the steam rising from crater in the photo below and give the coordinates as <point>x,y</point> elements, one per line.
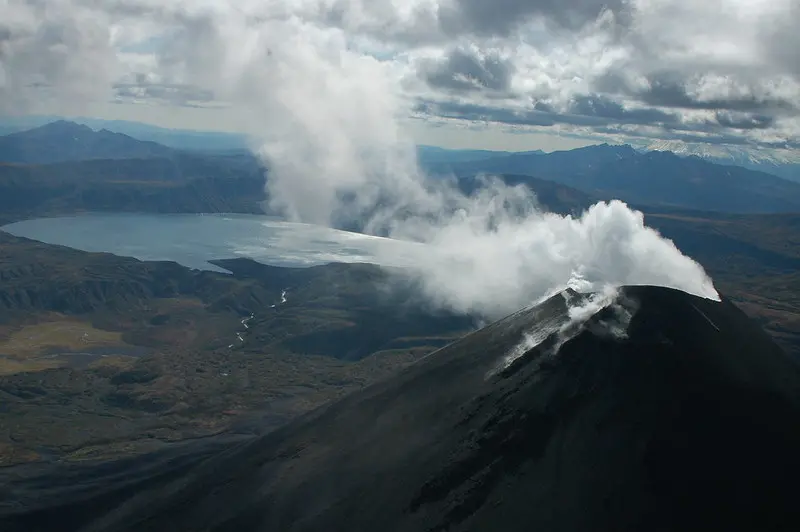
<point>337,156</point>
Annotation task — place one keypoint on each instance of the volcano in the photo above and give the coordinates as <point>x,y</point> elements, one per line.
<point>686,420</point>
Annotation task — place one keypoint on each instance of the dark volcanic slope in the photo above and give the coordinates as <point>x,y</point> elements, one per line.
<point>691,423</point>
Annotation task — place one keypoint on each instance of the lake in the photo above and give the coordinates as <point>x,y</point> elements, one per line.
<point>194,239</point>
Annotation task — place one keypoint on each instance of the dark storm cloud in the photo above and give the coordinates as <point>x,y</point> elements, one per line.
<point>502,17</point>
<point>448,19</point>
<point>672,90</point>
<point>744,121</point>
<point>603,116</point>
<point>482,113</point>
<point>731,116</point>
<point>676,95</point>
<point>604,107</point>
<point>176,94</point>
<point>587,111</point>
<point>420,24</point>
<point>464,70</point>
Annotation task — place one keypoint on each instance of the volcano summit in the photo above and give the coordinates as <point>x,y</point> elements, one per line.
<point>688,421</point>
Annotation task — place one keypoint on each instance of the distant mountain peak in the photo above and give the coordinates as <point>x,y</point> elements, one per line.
<point>63,140</point>
<point>621,149</point>
<point>61,126</point>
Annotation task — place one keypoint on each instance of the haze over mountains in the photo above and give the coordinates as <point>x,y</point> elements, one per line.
<point>600,171</point>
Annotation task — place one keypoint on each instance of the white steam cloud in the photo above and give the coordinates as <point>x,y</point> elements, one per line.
<point>330,122</point>
<point>496,270</point>
<point>340,158</point>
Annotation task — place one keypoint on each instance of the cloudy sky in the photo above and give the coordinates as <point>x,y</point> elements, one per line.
<point>334,94</point>
<point>502,74</point>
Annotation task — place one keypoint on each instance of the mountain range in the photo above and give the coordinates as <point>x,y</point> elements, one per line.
<point>782,163</point>
<point>652,178</point>
<point>67,141</point>
<point>600,172</point>
<point>183,139</point>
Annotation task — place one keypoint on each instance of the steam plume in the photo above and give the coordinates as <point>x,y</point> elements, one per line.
<point>489,253</point>
<point>330,122</point>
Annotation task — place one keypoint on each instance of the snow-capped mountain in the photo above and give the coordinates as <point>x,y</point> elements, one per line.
<point>783,163</point>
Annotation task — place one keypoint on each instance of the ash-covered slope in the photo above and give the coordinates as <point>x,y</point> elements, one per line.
<point>691,422</point>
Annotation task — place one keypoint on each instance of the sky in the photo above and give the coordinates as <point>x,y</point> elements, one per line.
<point>501,74</point>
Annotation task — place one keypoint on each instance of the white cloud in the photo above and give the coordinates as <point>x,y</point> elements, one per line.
<point>718,54</point>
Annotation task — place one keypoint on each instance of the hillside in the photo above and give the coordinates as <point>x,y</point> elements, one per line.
<point>687,423</point>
